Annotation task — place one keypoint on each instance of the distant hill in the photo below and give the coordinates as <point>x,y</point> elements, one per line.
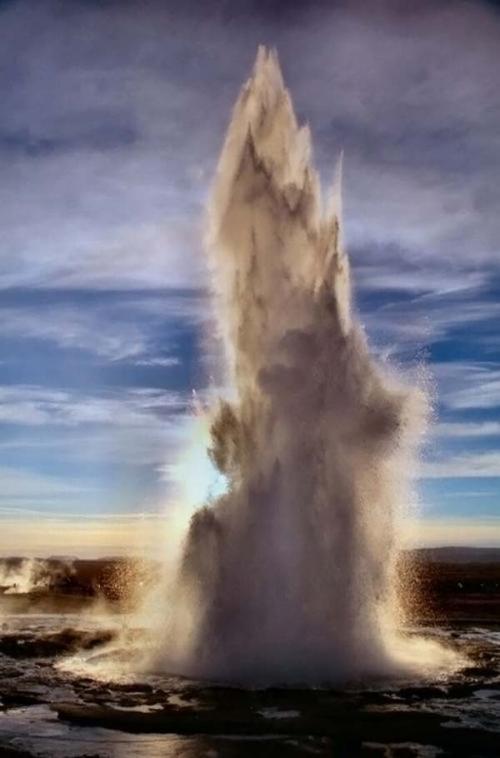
<point>458,554</point>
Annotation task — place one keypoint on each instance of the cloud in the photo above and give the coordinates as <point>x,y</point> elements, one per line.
<point>135,408</point>
<point>417,116</point>
<point>468,430</point>
<point>113,326</point>
<point>388,274</point>
<point>21,486</point>
<point>69,327</point>
<point>469,385</point>
<point>96,145</point>
<point>106,153</point>
<point>466,494</point>
<point>433,317</point>
<point>467,465</point>
<point>158,361</point>
<point>114,443</point>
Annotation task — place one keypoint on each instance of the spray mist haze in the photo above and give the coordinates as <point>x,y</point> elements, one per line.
<point>289,575</point>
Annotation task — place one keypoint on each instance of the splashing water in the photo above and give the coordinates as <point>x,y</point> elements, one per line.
<point>289,575</point>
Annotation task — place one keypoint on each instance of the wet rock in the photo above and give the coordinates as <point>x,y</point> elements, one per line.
<point>421,693</point>
<point>18,699</point>
<point>482,672</point>
<point>127,702</point>
<point>347,729</point>
<point>133,687</point>
<point>6,751</point>
<point>460,690</point>
<point>52,645</point>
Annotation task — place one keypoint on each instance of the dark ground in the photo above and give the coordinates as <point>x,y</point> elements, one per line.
<point>454,585</point>
<point>458,601</point>
<point>447,584</point>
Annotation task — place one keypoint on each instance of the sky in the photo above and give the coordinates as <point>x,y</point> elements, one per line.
<point>113,115</point>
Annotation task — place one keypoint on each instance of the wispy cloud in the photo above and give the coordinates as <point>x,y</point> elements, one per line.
<point>484,464</point>
<point>69,327</point>
<point>22,486</point>
<point>111,330</point>
<point>468,430</point>
<point>388,274</point>
<point>469,384</point>
<point>32,406</point>
<point>433,317</point>
<point>98,138</point>
<point>157,361</point>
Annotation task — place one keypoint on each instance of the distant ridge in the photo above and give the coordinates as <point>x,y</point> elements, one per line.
<point>451,554</point>
<point>456,554</point>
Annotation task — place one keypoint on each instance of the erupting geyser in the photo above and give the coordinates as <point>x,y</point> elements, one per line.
<point>289,576</point>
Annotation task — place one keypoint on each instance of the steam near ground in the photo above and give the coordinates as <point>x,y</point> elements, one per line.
<point>26,575</point>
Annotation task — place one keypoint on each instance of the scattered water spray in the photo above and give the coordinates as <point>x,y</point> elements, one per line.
<point>289,575</point>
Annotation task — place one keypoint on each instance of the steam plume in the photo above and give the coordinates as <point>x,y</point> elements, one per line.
<point>289,576</point>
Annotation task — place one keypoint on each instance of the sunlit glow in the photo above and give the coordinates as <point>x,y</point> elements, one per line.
<point>197,480</point>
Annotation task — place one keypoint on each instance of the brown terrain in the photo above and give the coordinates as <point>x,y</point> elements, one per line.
<point>451,585</point>
<point>454,592</point>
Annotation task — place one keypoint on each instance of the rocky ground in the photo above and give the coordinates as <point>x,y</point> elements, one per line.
<point>57,700</point>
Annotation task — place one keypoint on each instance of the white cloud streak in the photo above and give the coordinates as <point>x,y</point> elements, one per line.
<point>69,327</point>
<point>483,464</point>
<point>469,385</point>
<point>21,486</point>
<point>33,406</point>
<point>468,430</point>
<point>112,330</point>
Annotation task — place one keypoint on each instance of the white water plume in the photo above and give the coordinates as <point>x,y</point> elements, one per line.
<point>289,575</point>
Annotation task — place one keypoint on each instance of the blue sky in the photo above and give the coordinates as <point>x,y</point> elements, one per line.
<point>112,118</point>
